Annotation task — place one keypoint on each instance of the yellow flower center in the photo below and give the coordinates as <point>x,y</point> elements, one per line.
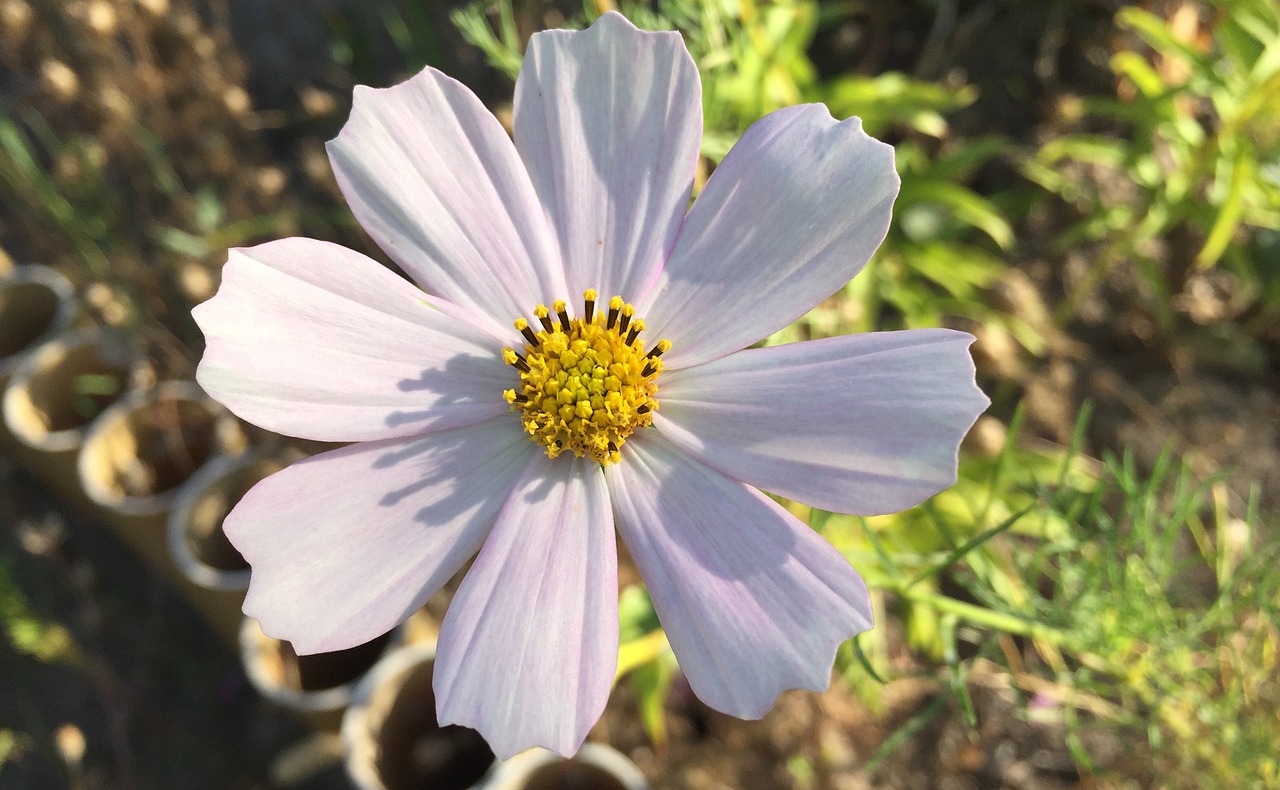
<point>587,383</point>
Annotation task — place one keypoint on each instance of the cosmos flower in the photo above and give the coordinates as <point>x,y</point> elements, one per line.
<point>569,362</point>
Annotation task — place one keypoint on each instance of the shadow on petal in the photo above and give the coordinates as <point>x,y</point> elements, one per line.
<point>436,384</point>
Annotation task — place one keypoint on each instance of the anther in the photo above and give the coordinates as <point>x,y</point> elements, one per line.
<point>615,304</point>
<point>522,326</point>
<point>589,300</point>
<point>560,309</point>
<point>627,312</point>
<point>636,329</point>
<point>662,347</point>
<point>642,408</point>
<point>512,358</point>
<point>650,368</point>
<point>544,316</point>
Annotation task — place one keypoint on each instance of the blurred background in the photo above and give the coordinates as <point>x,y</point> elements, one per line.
<point>1090,187</point>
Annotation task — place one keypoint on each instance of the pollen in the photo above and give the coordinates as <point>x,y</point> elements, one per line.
<point>586,383</point>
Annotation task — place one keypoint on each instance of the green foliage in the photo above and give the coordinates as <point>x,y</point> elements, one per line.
<point>645,659</point>
<point>1202,153</point>
<point>29,634</point>
<point>75,210</point>
<point>1177,598</point>
<point>1149,606</point>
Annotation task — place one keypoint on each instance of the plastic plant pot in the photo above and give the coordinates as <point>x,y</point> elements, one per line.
<point>136,457</point>
<point>36,303</point>
<point>315,688</point>
<point>594,767</point>
<point>59,389</point>
<point>392,739</point>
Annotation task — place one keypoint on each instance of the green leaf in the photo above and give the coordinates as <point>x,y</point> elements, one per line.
<point>650,684</point>
<point>965,205</point>
<point>1228,217</point>
<point>1139,71</point>
<point>1156,33</point>
<point>894,98</point>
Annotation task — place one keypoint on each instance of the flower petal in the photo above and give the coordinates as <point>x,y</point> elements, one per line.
<point>792,214</point>
<point>310,339</point>
<point>434,179</point>
<point>528,649</point>
<point>345,545</point>
<point>608,121</point>
<point>753,601</point>
<point>864,424</point>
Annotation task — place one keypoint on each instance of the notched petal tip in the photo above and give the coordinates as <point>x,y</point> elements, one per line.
<point>366,98</point>
<point>612,17</point>
<point>974,396</point>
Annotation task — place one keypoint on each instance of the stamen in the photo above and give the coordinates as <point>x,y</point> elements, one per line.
<point>522,326</point>
<point>615,304</point>
<point>589,298</point>
<point>544,316</point>
<point>658,350</point>
<point>636,329</point>
<point>642,409</point>
<point>515,360</point>
<point>627,312</point>
<point>560,309</point>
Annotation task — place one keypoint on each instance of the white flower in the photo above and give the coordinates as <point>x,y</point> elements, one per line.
<point>533,464</point>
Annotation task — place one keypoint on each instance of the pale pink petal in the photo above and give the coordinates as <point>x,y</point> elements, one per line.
<point>752,600</point>
<point>792,214</point>
<point>310,339</point>
<point>347,544</point>
<point>608,122</point>
<point>434,179</point>
<point>863,424</point>
<point>529,646</point>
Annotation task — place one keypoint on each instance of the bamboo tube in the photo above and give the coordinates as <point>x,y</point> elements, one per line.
<point>391,737</point>
<point>36,303</point>
<point>136,456</point>
<point>594,767</point>
<point>316,688</point>
<point>55,394</point>
<point>197,544</point>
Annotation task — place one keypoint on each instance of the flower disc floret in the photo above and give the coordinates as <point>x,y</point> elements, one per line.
<point>587,383</point>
